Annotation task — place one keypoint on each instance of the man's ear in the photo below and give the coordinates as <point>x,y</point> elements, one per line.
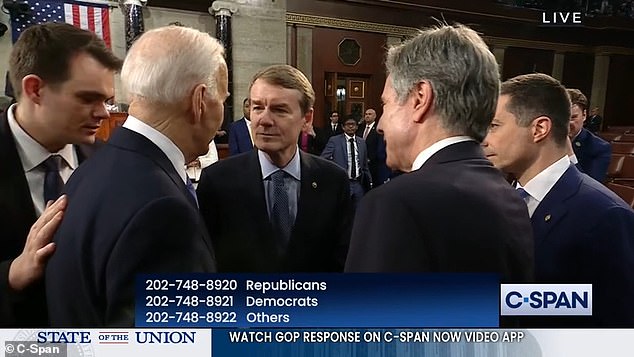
<point>422,97</point>
<point>31,88</point>
<point>199,105</point>
<point>541,128</point>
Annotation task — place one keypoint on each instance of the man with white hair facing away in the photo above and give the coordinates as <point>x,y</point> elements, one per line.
<point>132,209</point>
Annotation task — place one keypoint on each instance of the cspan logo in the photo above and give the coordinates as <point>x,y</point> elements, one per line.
<point>546,299</point>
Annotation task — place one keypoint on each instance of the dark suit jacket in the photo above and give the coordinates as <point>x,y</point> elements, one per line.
<point>324,134</point>
<point>454,214</point>
<point>232,201</point>
<point>584,233</point>
<point>329,132</point>
<point>593,154</point>
<point>374,141</point>
<point>129,213</point>
<point>337,150</point>
<point>239,138</point>
<point>17,215</point>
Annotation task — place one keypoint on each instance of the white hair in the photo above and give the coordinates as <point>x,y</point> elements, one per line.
<point>165,64</point>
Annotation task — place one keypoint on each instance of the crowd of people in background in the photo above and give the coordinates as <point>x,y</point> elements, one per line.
<point>461,173</point>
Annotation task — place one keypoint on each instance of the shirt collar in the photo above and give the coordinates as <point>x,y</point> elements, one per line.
<point>293,168</point>
<point>539,186</point>
<point>348,137</point>
<point>32,153</point>
<point>173,153</point>
<point>437,146</point>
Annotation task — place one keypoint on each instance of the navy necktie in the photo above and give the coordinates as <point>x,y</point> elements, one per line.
<point>192,190</point>
<point>53,183</point>
<point>280,212</point>
<point>523,194</point>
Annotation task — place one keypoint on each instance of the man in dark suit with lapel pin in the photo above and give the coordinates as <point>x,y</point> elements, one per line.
<point>277,209</point>
<point>241,132</point>
<point>132,209</point>
<point>584,233</point>
<point>349,152</point>
<point>376,146</point>
<point>451,210</point>
<point>62,77</point>
<point>592,154</point>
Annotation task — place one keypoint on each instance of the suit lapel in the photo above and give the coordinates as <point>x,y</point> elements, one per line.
<point>308,194</point>
<point>257,210</point>
<point>361,149</point>
<point>14,188</point>
<point>552,208</point>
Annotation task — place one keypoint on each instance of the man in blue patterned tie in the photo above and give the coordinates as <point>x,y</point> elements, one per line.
<point>282,210</point>
<point>584,233</point>
<point>62,77</point>
<point>131,207</point>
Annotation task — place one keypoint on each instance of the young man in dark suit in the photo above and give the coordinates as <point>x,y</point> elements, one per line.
<point>584,233</point>
<point>451,211</point>
<point>592,153</point>
<point>240,132</point>
<point>132,209</point>
<point>277,209</point>
<point>349,152</point>
<point>62,77</point>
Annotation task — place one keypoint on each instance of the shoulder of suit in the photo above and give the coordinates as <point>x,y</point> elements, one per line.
<point>313,162</point>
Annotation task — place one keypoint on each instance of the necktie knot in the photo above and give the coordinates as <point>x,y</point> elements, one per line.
<point>52,163</point>
<point>366,132</point>
<point>522,193</point>
<point>278,177</point>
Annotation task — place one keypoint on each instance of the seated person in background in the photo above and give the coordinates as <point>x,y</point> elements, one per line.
<point>277,209</point>
<point>583,232</point>
<point>194,168</point>
<point>131,208</point>
<point>592,152</point>
<point>593,123</point>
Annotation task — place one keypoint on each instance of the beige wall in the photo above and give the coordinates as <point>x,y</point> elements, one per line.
<point>5,49</point>
<point>259,40</point>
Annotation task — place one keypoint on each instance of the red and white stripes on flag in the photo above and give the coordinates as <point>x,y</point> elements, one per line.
<point>95,19</point>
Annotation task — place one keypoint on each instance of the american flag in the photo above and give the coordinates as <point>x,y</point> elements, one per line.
<point>88,16</point>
